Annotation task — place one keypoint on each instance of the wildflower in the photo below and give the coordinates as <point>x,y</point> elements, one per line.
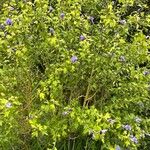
<point>8,105</point>
<point>147,37</point>
<point>123,22</point>
<point>51,30</point>
<point>11,8</point>
<point>111,121</point>
<point>138,120</point>
<point>51,9</point>
<point>127,127</point>
<point>134,139</point>
<point>92,19</point>
<point>2,26</point>
<point>103,131</point>
<point>139,10</point>
<point>118,147</point>
<point>9,21</point>
<point>82,38</point>
<point>122,59</point>
<point>74,59</point>
<point>62,15</point>
<point>65,113</point>
<point>146,73</point>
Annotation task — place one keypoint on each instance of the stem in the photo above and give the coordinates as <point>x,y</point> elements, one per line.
<point>86,147</point>
<point>73,144</point>
<point>88,88</point>
<point>68,143</point>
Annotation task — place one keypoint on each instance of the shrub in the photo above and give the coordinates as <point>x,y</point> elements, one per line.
<point>74,74</point>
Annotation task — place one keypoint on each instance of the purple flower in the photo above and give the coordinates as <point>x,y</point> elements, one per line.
<point>138,120</point>
<point>51,9</point>
<point>62,15</point>
<point>74,59</point>
<point>127,127</point>
<point>9,21</point>
<point>118,147</point>
<point>51,30</point>
<point>103,131</point>
<point>134,139</point>
<point>122,59</point>
<point>92,19</point>
<point>8,105</point>
<point>82,38</point>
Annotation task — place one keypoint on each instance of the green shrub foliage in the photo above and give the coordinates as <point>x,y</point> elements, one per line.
<point>74,74</point>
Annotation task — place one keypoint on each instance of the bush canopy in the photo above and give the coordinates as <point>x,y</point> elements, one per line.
<point>74,74</point>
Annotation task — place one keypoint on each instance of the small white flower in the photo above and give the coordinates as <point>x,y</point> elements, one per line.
<point>8,105</point>
<point>65,113</point>
<point>138,120</point>
<point>122,22</point>
<point>111,121</point>
<point>147,37</point>
<point>103,131</point>
<point>51,9</point>
<point>11,8</point>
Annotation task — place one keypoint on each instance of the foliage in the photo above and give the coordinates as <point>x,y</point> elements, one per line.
<point>74,74</point>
